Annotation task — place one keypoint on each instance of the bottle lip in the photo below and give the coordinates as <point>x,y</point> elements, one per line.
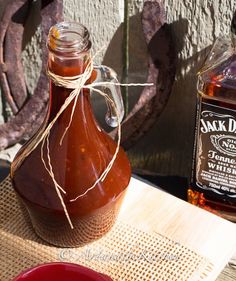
<point>68,38</point>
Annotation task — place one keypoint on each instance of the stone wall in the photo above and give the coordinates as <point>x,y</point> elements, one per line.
<point>166,148</point>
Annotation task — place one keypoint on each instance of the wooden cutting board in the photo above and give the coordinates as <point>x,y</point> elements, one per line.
<point>153,210</point>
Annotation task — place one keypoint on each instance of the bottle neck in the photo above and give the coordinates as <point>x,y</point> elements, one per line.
<point>82,111</point>
<point>65,66</point>
<point>69,53</point>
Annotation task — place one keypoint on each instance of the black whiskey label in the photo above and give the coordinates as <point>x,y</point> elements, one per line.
<point>215,150</point>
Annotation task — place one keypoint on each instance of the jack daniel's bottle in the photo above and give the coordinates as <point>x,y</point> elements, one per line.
<point>213,181</point>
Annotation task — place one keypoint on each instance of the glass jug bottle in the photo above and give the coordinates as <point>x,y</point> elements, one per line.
<point>77,161</point>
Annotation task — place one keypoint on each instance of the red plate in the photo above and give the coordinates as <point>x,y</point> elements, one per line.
<point>61,272</point>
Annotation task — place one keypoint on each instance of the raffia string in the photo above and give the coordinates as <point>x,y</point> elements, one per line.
<point>76,83</point>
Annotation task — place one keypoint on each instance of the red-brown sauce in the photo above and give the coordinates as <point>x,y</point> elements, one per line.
<point>84,154</point>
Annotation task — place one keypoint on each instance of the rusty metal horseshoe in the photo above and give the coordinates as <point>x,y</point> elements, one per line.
<point>161,71</point>
<point>29,112</point>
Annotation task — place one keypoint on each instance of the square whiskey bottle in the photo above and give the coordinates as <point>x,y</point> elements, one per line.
<point>213,178</point>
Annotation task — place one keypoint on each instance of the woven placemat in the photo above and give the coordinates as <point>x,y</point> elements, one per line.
<point>125,253</point>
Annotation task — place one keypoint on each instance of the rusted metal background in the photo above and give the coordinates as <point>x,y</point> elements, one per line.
<point>29,111</point>
<point>161,72</point>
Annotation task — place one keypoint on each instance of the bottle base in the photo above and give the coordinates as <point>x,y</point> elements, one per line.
<point>218,208</point>
<point>53,227</point>
<point>73,238</point>
<point>86,229</point>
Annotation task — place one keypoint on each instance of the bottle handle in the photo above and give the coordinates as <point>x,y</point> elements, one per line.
<point>107,74</point>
